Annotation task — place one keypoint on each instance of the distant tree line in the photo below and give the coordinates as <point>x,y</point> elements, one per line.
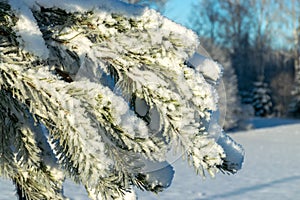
<point>262,39</point>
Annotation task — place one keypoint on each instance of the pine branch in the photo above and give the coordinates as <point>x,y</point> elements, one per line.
<point>150,64</point>
<point>20,154</point>
<point>102,135</point>
<point>74,148</point>
<point>67,136</point>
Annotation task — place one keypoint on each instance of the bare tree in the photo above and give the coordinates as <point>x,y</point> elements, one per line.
<point>297,67</point>
<point>228,23</point>
<point>206,24</point>
<point>252,31</point>
<point>281,86</point>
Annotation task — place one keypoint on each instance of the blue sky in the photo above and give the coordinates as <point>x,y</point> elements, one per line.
<point>179,10</point>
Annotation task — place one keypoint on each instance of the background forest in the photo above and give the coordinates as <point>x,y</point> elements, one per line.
<point>257,42</point>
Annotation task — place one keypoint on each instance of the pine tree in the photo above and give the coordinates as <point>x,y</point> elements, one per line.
<point>96,91</point>
<point>261,99</point>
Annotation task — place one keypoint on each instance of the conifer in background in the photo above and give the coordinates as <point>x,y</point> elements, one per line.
<point>261,99</point>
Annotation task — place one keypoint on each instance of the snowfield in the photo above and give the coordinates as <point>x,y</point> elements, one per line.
<point>271,171</point>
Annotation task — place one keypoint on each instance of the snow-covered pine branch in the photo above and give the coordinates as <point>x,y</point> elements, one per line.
<point>229,103</point>
<point>108,82</point>
<point>24,155</point>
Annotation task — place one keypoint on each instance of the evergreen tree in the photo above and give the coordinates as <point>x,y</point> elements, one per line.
<point>99,91</point>
<point>261,99</point>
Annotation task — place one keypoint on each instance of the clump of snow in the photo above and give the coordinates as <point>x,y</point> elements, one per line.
<point>234,153</point>
<point>81,6</point>
<point>206,66</point>
<point>158,174</point>
<point>28,31</point>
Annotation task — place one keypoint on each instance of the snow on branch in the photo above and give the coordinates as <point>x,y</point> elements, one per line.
<point>110,84</point>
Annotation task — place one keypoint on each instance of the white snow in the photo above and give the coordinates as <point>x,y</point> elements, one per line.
<point>206,66</point>
<point>27,30</point>
<point>81,6</point>
<point>271,171</point>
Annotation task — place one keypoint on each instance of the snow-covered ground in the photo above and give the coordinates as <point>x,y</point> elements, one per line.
<point>271,171</point>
